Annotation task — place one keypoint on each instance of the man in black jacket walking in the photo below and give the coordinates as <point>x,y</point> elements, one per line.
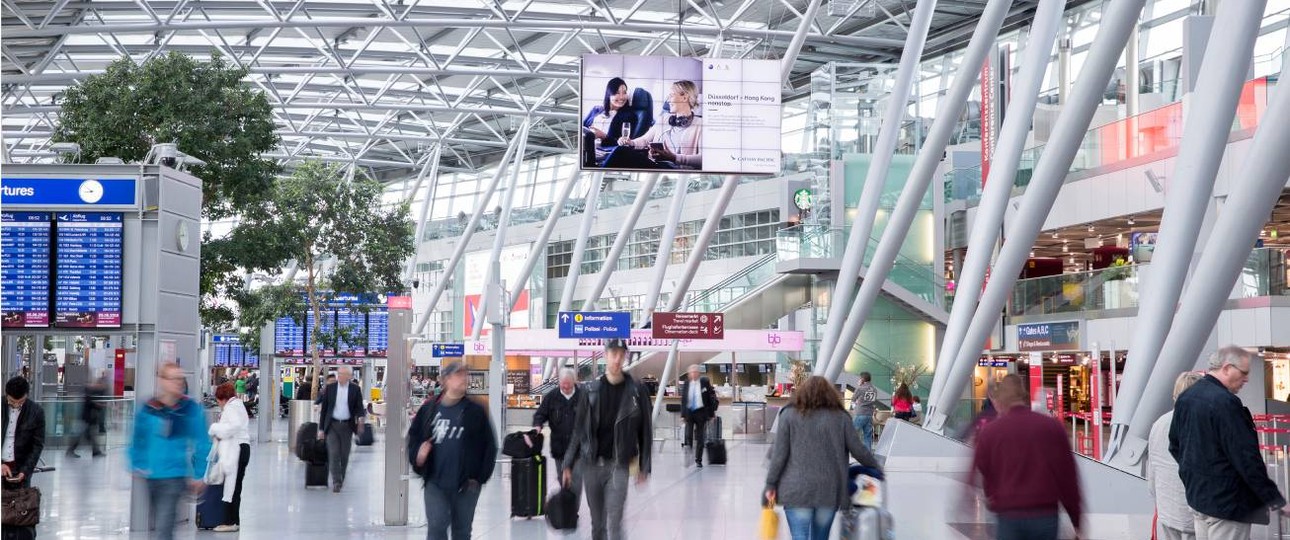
<point>698,406</point>
<point>559,410</point>
<point>612,437</point>
<point>1213,439</point>
<point>24,434</point>
<point>451,444</point>
<point>342,417</point>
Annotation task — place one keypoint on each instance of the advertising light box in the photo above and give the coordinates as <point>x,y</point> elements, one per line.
<point>655,113</point>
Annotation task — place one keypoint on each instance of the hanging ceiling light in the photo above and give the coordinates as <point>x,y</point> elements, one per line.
<point>1131,221</point>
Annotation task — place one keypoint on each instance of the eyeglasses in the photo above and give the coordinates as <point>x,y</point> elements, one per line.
<point>1244,372</point>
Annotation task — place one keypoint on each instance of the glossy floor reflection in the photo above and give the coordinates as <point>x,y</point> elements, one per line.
<point>90,499</point>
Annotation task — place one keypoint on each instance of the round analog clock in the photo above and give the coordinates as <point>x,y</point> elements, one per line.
<point>91,191</point>
<point>803,199</point>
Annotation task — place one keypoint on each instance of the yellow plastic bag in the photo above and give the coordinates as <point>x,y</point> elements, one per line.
<point>769,522</point>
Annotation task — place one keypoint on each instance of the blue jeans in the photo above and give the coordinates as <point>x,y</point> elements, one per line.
<point>809,523</point>
<point>864,424</point>
<point>164,495</point>
<point>1031,528</point>
<point>455,511</point>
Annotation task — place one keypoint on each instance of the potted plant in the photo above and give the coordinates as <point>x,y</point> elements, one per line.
<point>1117,292</point>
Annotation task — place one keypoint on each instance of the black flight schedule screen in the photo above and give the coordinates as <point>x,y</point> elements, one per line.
<point>88,272</point>
<point>25,263</point>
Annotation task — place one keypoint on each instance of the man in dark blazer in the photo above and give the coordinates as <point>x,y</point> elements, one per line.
<point>341,417</point>
<point>22,446</point>
<point>698,405</point>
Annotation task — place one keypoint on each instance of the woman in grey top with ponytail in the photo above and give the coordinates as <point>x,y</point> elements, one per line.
<point>808,463</point>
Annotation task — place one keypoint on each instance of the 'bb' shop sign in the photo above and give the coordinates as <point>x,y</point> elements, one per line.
<point>1051,336</point>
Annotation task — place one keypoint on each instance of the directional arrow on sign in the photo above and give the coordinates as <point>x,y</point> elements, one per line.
<point>716,318</point>
<point>564,317</point>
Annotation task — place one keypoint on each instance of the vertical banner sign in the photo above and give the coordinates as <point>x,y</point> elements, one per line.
<point>1095,403</point>
<point>1036,376</point>
<point>988,87</point>
<point>1061,396</point>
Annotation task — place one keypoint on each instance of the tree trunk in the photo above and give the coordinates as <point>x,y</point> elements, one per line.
<point>316,329</point>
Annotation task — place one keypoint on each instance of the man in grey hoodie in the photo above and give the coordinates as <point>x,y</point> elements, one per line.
<point>863,405</point>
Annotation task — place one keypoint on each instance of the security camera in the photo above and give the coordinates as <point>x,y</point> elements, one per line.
<point>166,154</point>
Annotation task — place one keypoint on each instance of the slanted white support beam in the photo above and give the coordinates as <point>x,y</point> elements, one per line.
<point>875,179</point>
<point>430,169</point>
<point>799,38</point>
<point>620,242</point>
<point>579,248</point>
<point>1050,174</point>
<point>663,258</point>
<point>697,253</point>
<point>499,238</point>
<point>1225,64</point>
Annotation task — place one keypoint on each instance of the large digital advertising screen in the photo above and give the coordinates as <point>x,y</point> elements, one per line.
<point>656,113</point>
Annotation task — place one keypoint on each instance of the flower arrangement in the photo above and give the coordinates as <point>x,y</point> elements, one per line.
<point>1117,271</point>
<point>907,375</point>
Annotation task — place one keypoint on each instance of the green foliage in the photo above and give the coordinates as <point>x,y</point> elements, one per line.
<point>313,215</point>
<point>1118,270</point>
<point>203,107</point>
<point>206,109</point>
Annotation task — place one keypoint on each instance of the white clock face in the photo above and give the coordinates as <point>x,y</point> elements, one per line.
<point>91,191</point>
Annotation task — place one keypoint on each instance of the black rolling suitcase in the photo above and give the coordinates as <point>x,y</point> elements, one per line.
<point>210,507</point>
<point>715,446</point>
<point>528,486</point>
<point>316,474</point>
<point>365,437</point>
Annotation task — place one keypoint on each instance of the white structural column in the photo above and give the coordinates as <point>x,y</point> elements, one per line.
<point>499,237</point>
<point>1226,61</point>
<point>579,247</point>
<point>663,258</point>
<point>1050,174</point>
<point>947,115</point>
<point>620,242</point>
<point>875,179</point>
<point>994,200</point>
<point>544,236</point>
<point>1254,194</point>
<point>462,242</point>
<point>700,249</point>
<point>430,168</point>
<point>799,38</point>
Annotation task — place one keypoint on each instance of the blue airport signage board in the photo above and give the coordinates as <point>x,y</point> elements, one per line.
<point>448,350</point>
<point>595,324</point>
<point>63,192</point>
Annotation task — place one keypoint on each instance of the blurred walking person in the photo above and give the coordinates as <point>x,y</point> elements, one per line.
<point>808,462</point>
<point>558,410</point>
<point>1213,439</point>
<point>232,439</point>
<point>1026,467</point>
<point>698,407</point>
<point>342,417</point>
<point>92,413</point>
<point>1174,519</point>
<point>169,448</point>
<point>24,434</point>
<point>863,404</point>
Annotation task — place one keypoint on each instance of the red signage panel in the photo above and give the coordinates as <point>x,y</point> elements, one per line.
<point>688,325</point>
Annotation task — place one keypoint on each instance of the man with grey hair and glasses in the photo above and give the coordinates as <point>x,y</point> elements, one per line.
<point>557,411</point>
<point>1213,439</point>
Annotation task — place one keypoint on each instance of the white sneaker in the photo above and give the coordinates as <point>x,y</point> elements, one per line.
<point>226,528</point>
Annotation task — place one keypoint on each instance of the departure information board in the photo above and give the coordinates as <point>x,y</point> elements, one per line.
<point>378,333</point>
<point>227,351</point>
<point>328,347</point>
<point>354,323</point>
<point>87,287</point>
<point>24,258</point>
<point>288,337</point>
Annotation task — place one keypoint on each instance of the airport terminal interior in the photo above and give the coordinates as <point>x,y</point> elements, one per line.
<point>928,204</point>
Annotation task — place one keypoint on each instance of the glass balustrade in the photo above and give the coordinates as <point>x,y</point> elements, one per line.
<point>63,422</point>
<point>822,242</point>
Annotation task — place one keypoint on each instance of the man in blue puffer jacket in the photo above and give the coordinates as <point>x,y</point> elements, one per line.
<point>169,447</point>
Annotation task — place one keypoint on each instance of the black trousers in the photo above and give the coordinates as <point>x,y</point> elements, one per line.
<point>233,510</point>
<point>696,433</point>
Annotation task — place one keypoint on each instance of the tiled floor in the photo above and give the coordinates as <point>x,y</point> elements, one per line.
<point>89,499</point>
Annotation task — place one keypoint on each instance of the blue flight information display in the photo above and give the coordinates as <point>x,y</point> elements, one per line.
<point>228,352</point>
<point>328,328</point>
<point>378,333</point>
<point>355,323</point>
<point>24,258</point>
<point>87,275</point>
<point>288,337</point>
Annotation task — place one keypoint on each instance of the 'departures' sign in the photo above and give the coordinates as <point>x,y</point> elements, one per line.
<point>1050,336</point>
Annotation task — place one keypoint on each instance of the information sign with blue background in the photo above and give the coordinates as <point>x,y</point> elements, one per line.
<point>595,324</point>
<point>65,192</point>
<point>354,322</point>
<point>288,337</point>
<point>1049,336</point>
<point>448,350</point>
<point>378,333</point>
<point>88,274</point>
<point>228,352</point>
<point>24,259</point>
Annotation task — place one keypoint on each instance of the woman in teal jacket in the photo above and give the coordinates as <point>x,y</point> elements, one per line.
<point>169,447</point>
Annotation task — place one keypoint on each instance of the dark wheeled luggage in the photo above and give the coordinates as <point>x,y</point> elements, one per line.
<point>305,436</point>
<point>523,444</point>
<point>562,510</point>
<point>210,507</point>
<point>867,519</point>
<point>528,486</point>
<point>715,447</point>
<point>316,474</point>
<point>365,437</point>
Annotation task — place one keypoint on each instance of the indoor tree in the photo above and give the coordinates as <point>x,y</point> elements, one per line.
<point>209,112</point>
<point>318,214</point>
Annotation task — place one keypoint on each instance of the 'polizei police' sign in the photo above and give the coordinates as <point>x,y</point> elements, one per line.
<point>68,192</point>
